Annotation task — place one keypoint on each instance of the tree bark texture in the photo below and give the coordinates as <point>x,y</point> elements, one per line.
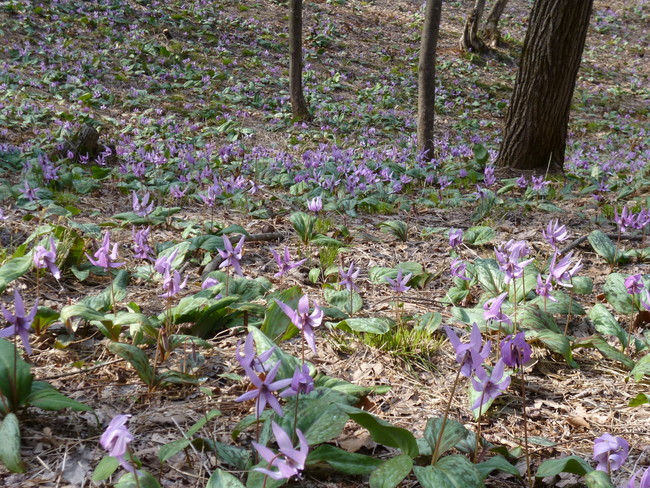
<point>298,104</point>
<point>536,124</point>
<point>470,41</point>
<point>427,78</point>
<point>491,33</point>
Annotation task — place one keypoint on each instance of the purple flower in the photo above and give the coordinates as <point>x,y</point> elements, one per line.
<point>141,208</point>
<point>508,256</point>
<point>172,283</point>
<point>538,183</point>
<point>315,204</point>
<point>249,359</point>
<point>455,237</point>
<point>21,324</point>
<point>284,262</point>
<point>398,285</point>
<point>164,263</point>
<point>610,452</point>
<point>301,383</point>
<point>46,259</point>
<point>2,215</point>
<point>624,220</point>
<point>515,351</point>
<point>303,320</point>
<point>263,389</point>
<point>209,282</point>
<point>104,256</point>
<point>289,461</point>
<point>555,233</point>
<point>634,284</point>
<point>211,197</point>
<point>521,182</point>
<point>458,268</point>
<point>116,438</point>
<point>469,355</point>
<point>488,175</point>
<point>560,269</point>
<point>645,480</point>
<point>176,191</point>
<point>141,245</point>
<point>491,386</point>
<point>348,277</point>
<point>29,193</point>
<point>544,288</point>
<point>492,310</point>
<point>230,256</point>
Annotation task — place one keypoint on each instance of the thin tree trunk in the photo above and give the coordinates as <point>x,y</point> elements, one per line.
<point>298,103</point>
<point>427,78</point>
<point>470,41</point>
<point>536,124</point>
<point>491,32</point>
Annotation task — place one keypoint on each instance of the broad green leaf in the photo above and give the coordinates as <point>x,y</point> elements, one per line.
<point>606,350</point>
<point>303,225</point>
<point>355,391</point>
<point>223,479</point>
<point>531,317</point>
<point>191,309</point>
<point>81,310</point>
<point>320,416</point>
<point>343,461</point>
<point>489,276</point>
<point>569,464</point>
<point>520,288</point>
<point>106,467</point>
<point>582,285</point>
<point>14,268</point>
<point>10,444</point>
<point>449,472</point>
<point>541,441</point>
<point>392,472</point>
<point>145,480</point>
<point>237,457</point>
<point>373,325</point>
<point>276,322</point>
<point>496,463</point>
<point>481,154</point>
<point>138,360</point>
<point>385,433</point>
<point>605,323</point>
<point>103,301</point>
<point>640,399</point>
<point>479,235</point>
<point>46,397</point>
<point>454,433</point>
<point>565,304</point>
<point>172,448</point>
<point>15,394</point>
<point>341,300</point>
<point>641,368</point>
<point>555,342</point>
<point>429,321</point>
<point>617,295</point>
<point>207,242</point>
<point>377,275</point>
<point>603,246</point>
<point>396,228</point>
<point>469,315</point>
<point>598,479</point>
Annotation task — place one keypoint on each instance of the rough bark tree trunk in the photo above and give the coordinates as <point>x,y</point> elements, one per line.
<point>536,124</point>
<point>298,104</point>
<point>427,78</point>
<point>470,41</point>
<point>491,33</point>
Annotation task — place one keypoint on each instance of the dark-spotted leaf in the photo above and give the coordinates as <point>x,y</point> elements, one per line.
<point>343,461</point>
<point>449,472</point>
<point>569,464</point>
<point>392,472</point>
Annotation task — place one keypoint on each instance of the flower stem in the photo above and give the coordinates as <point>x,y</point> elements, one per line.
<point>478,424</point>
<point>523,401</point>
<point>436,451</point>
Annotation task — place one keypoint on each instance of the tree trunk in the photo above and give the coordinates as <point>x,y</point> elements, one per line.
<point>427,78</point>
<point>491,32</point>
<point>536,124</point>
<point>470,41</point>
<point>298,104</point>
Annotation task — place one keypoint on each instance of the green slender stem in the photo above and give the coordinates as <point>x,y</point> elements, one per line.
<point>525,416</point>
<point>568,318</point>
<point>37,329</point>
<point>478,424</point>
<point>436,451</point>
<point>135,471</point>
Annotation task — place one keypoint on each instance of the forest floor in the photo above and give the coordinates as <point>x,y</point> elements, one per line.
<point>165,82</point>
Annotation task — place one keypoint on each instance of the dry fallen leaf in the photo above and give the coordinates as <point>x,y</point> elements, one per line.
<point>578,422</point>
